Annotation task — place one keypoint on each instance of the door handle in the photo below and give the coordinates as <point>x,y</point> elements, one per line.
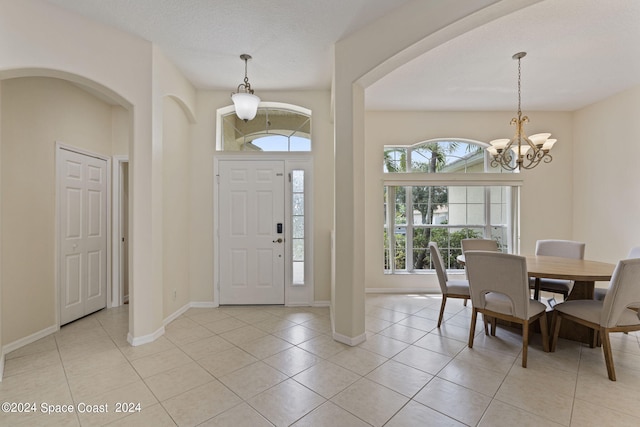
<point>278,240</point>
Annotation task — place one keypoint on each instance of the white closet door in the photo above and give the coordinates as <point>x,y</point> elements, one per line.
<point>82,189</point>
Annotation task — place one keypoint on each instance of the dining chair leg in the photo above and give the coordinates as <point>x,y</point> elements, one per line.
<point>608,355</point>
<point>485,319</point>
<point>555,322</point>
<point>493,326</point>
<point>472,327</point>
<point>444,302</point>
<point>465,302</point>
<point>525,342</point>
<point>544,330</point>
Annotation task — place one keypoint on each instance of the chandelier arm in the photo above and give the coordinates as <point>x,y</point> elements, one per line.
<point>504,159</point>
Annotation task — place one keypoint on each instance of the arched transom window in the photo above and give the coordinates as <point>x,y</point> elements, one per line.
<point>276,127</point>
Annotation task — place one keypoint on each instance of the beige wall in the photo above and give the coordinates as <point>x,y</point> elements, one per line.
<point>37,112</point>
<point>546,192</point>
<point>201,186</point>
<point>173,105</point>
<point>48,41</point>
<point>121,131</point>
<point>606,193</point>
<point>175,184</point>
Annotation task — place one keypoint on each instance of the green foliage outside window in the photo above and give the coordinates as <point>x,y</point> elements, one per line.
<point>447,240</point>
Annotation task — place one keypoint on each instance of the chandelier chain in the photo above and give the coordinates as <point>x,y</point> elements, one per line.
<point>519,95</point>
<point>246,79</point>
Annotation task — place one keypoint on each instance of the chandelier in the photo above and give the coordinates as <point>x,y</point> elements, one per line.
<point>245,101</point>
<point>522,151</point>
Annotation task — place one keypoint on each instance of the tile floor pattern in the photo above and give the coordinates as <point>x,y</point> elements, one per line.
<point>263,366</point>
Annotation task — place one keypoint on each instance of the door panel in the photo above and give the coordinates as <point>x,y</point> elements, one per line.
<point>73,278</point>
<point>251,203</point>
<point>83,235</point>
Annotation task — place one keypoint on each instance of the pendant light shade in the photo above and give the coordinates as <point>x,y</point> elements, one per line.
<point>244,100</point>
<point>246,105</point>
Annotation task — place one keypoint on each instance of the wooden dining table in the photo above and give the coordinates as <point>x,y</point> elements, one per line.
<point>584,273</point>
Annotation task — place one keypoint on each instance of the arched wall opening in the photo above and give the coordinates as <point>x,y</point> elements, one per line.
<point>39,108</point>
<point>418,27</point>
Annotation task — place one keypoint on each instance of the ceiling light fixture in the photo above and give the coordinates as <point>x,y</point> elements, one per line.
<point>245,101</point>
<point>521,152</point>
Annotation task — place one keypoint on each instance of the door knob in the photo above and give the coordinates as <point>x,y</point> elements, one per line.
<point>278,240</point>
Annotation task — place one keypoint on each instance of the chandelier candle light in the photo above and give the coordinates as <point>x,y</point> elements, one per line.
<point>245,101</point>
<point>521,152</point>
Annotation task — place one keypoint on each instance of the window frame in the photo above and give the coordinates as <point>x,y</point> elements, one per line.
<point>222,112</point>
<point>512,181</point>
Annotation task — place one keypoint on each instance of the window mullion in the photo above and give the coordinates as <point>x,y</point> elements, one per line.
<point>487,212</point>
<point>409,229</point>
<point>391,227</point>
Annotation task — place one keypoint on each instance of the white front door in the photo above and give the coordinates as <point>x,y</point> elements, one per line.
<point>82,189</point>
<point>251,232</point>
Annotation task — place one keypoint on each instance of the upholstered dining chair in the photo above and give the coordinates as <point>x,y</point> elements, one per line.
<point>599,293</point>
<point>610,315</point>
<point>500,289</point>
<point>482,245</point>
<point>479,245</point>
<point>557,248</point>
<point>449,288</point>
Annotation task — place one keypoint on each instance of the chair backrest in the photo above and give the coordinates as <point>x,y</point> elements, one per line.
<point>499,272</point>
<point>560,248</point>
<point>479,245</point>
<point>438,264</point>
<point>624,291</point>
<point>634,253</point>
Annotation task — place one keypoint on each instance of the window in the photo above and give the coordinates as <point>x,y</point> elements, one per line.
<point>440,191</point>
<point>297,216</point>
<point>276,128</point>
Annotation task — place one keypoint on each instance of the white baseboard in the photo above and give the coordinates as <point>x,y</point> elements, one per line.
<point>348,340</point>
<point>401,291</point>
<point>22,342</point>
<point>145,339</point>
<point>343,338</point>
<point>203,304</point>
<point>29,339</point>
<point>321,304</point>
<point>179,312</point>
<point>184,308</point>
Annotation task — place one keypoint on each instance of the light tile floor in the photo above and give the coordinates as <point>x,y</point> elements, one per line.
<point>263,366</point>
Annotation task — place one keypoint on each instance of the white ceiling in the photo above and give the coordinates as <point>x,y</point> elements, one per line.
<point>579,51</point>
